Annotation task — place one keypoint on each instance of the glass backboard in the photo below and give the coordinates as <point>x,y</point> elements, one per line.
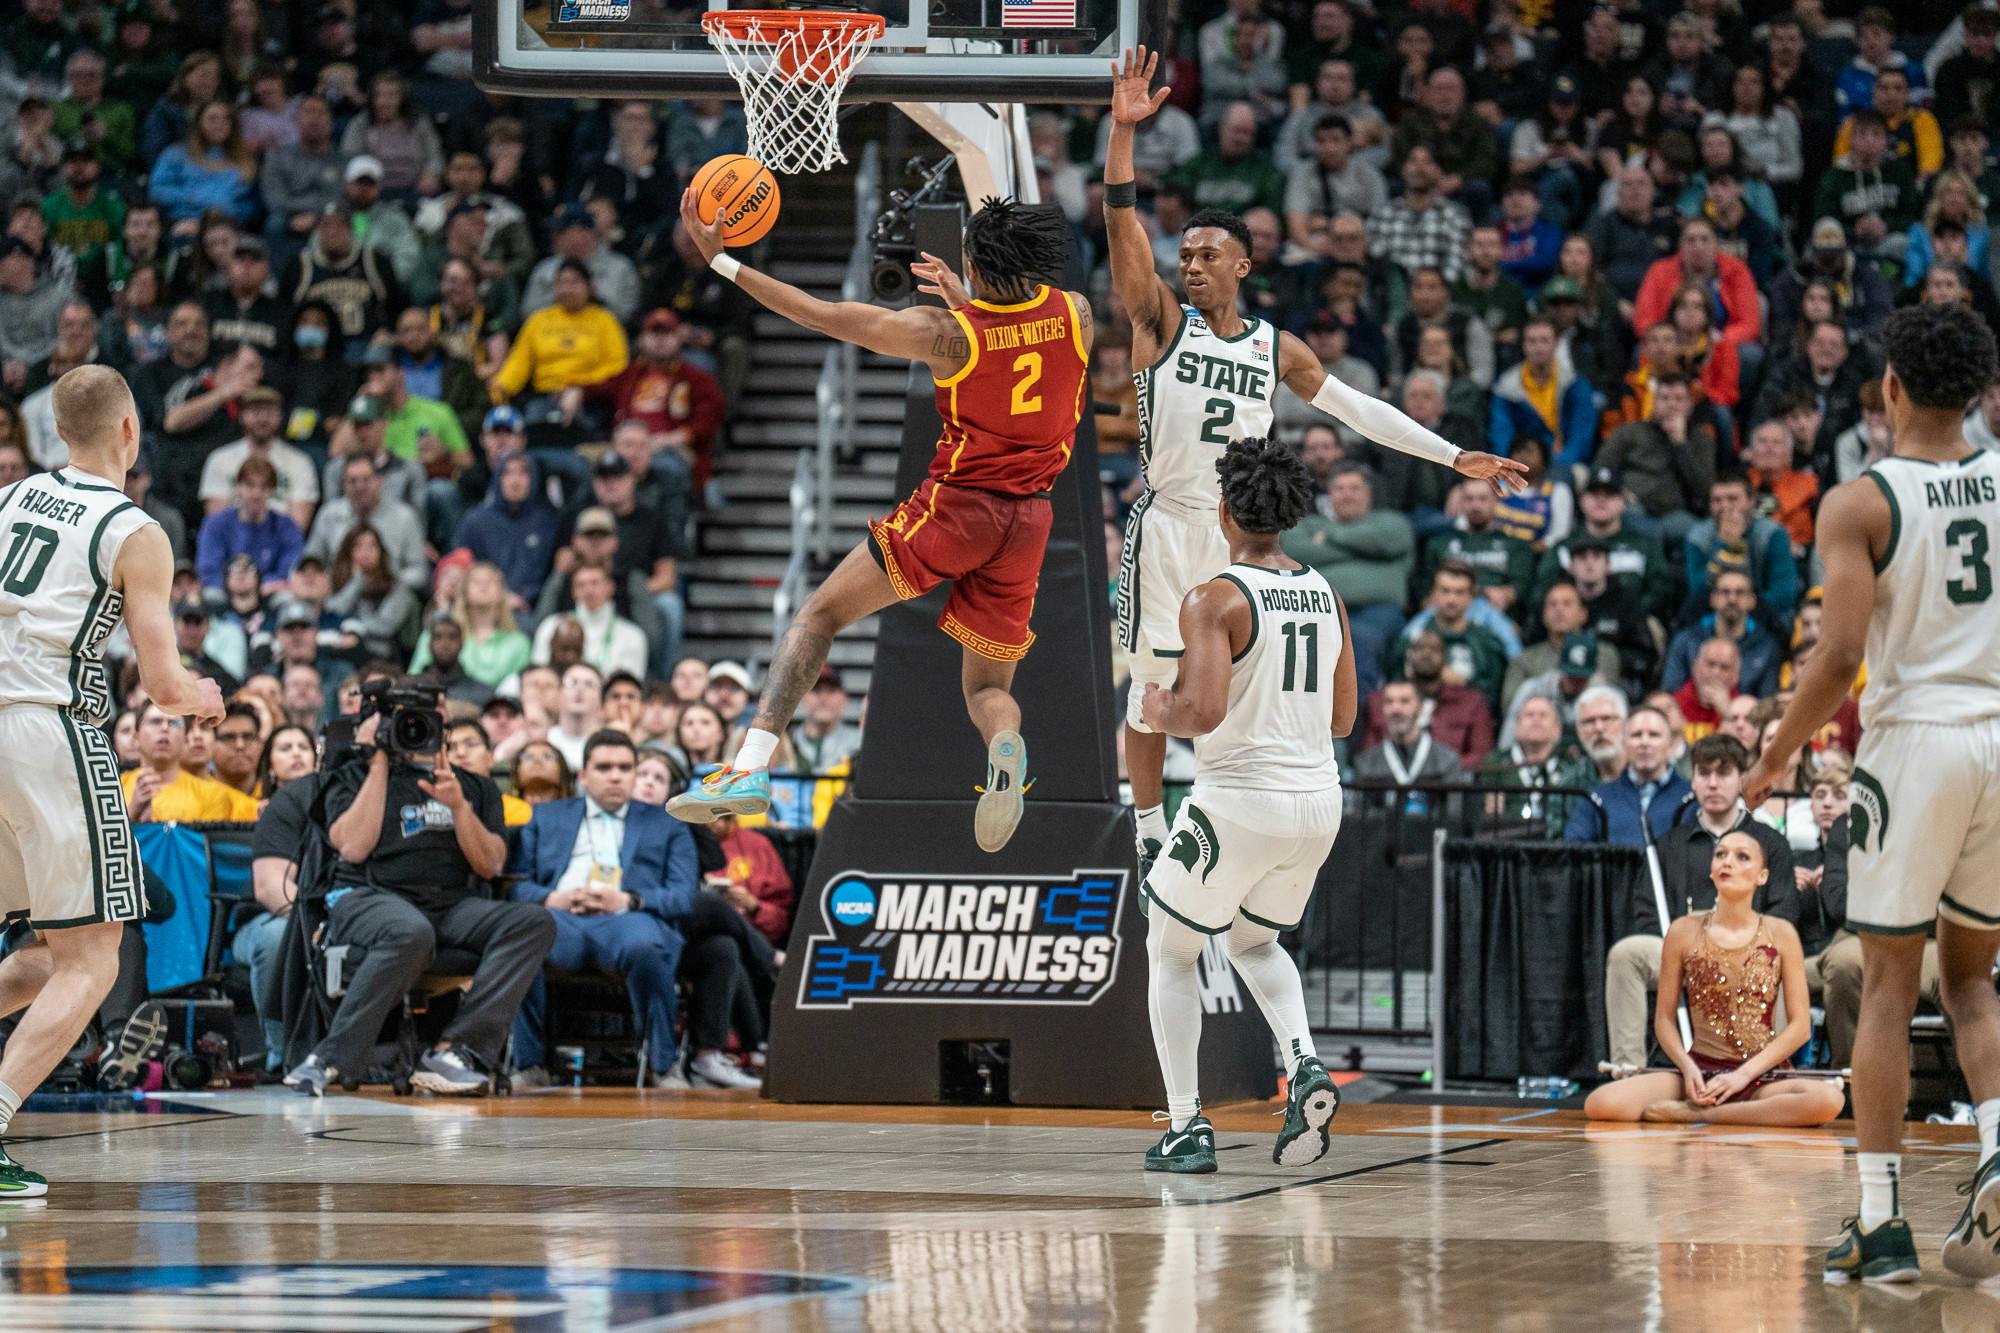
<point>932,50</point>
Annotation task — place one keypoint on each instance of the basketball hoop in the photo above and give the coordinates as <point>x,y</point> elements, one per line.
<point>791,66</point>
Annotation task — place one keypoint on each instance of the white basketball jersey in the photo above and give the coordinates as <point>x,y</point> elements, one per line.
<point>1934,640</point>
<point>60,533</point>
<point>1205,391</point>
<point>1278,734</point>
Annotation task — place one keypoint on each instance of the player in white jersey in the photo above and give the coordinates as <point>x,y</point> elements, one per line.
<point>1909,553</point>
<point>75,556</point>
<point>1206,376</point>
<point>1266,684</point>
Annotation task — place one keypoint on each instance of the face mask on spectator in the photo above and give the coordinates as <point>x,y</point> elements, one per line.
<point>310,336</point>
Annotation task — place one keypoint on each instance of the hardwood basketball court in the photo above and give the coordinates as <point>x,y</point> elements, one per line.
<point>603,1210</point>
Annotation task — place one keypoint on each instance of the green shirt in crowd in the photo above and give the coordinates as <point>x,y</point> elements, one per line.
<point>417,415</point>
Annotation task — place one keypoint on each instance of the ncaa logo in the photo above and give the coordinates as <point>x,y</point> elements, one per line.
<point>852,904</point>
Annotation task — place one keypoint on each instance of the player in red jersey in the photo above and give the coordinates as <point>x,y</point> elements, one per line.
<point>1010,370</point>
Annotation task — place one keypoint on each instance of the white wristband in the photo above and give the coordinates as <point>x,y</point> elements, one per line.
<point>726,266</point>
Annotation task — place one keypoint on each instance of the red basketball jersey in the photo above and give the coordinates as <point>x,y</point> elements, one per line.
<point>1010,413</point>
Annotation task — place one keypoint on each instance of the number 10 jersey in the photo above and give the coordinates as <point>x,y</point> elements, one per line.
<point>1205,391</point>
<point>60,534</point>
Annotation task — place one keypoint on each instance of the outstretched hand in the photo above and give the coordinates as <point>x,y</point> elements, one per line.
<point>1132,96</point>
<point>935,278</point>
<point>443,786</point>
<point>1507,475</point>
<point>707,236</point>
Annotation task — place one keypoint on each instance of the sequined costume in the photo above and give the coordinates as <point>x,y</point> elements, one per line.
<point>1732,998</point>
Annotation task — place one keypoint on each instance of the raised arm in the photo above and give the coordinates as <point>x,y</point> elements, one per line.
<point>1197,703</point>
<point>918,333</point>
<point>1853,527</point>
<point>1386,424</point>
<point>1156,315</point>
<point>144,573</point>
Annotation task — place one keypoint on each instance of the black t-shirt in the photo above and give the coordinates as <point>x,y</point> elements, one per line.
<point>417,855</point>
<point>281,829</point>
<point>265,324</point>
<point>644,537</point>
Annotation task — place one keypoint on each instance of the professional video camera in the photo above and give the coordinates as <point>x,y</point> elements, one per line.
<point>411,724</point>
<point>895,234</point>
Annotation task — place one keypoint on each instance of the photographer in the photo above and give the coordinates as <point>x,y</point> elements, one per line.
<point>412,833</point>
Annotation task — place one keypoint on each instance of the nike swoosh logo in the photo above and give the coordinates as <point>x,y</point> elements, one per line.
<point>1177,1141</point>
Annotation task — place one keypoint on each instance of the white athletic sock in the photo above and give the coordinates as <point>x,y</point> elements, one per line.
<point>10,1102</point>
<point>1273,980</point>
<point>758,747</point>
<point>1173,994</point>
<point>1881,1177</point>
<point>1989,1129</point>
<point>1152,823</point>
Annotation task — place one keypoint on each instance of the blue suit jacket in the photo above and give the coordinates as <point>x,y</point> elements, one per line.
<point>658,857</point>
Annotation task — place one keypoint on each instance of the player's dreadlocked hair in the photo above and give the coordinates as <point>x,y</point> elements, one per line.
<point>1229,222</point>
<point>1943,354</point>
<point>1266,485</point>
<point>1016,245</point>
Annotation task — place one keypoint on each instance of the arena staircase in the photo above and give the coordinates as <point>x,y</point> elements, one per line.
<point>743,551</point>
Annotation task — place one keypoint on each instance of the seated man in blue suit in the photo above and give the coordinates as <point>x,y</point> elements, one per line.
<point>619,877</point>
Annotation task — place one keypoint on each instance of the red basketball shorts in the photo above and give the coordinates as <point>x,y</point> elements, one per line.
<point>988,545</point>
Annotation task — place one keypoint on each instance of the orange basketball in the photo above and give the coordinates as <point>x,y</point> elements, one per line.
<point>743,191</point>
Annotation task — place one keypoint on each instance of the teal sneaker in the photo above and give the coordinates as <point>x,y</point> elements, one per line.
<point>999,811</point>
<point>1188,1152</point>
<point>1972,1248</point>
<point>1308,1111</point>
<point>18,1182</point>
<point>1886,1254</point>
<point>726,791</point>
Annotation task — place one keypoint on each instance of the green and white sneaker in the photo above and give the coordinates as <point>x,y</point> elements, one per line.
<point>1308,1111</point>
<point>1972,1248</point>
<point>1886,1254</point>
<point>999,810</point>
<point>18,1182</point>
<point>1189,1151</point>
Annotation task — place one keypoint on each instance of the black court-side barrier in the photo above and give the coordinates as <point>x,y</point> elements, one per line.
<point>1526,928</point>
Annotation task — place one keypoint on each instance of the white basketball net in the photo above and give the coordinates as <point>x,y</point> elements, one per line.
<point>791,76</point>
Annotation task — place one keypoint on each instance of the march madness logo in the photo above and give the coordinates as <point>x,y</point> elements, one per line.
<point>1008,939</point>
<point>593,11</point>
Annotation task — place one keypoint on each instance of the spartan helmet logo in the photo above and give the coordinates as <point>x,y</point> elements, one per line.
<point>1195,845</point>
<point>1869,812</point>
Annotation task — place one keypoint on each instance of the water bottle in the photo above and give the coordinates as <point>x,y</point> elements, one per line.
<point>571,1058</point>
<point>1543,1088</point>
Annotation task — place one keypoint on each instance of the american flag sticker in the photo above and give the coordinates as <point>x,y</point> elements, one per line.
<point>1038,13</point>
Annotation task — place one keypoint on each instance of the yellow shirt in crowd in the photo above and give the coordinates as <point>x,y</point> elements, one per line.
<point>557,349</point>
<point>189,800</point>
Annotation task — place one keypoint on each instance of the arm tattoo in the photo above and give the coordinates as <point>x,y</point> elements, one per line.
<point>952,345</point>
<point>792,673</point>
<point>1083,319</point>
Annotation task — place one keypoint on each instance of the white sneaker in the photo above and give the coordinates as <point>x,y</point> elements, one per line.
<point>672,1081</point>
<point>713,1069</point>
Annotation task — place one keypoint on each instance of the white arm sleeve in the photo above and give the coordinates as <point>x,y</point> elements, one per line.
<point>1383,423</point>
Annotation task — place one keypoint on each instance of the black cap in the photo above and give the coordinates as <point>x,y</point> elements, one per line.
<point>502,703</point>
<point>1604,480</point>
<point>1585,542</point>
<point>611,463</point>
<point>191,608</point>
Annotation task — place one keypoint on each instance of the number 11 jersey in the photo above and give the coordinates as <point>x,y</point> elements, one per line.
<point>60,534</point>
<point>1278,732</point>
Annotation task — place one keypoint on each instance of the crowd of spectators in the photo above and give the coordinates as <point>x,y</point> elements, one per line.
<point>432,381</point>
<point>429,383</point>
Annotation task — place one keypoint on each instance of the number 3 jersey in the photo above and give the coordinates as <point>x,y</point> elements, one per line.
<point>1934,640</point>
<point>60,533</point>
<point>1010,412</point>
<point>1278,733</point>
<point>1204,392</point>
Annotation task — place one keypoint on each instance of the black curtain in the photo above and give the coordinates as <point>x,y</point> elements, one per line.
<point>1527,928</point>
